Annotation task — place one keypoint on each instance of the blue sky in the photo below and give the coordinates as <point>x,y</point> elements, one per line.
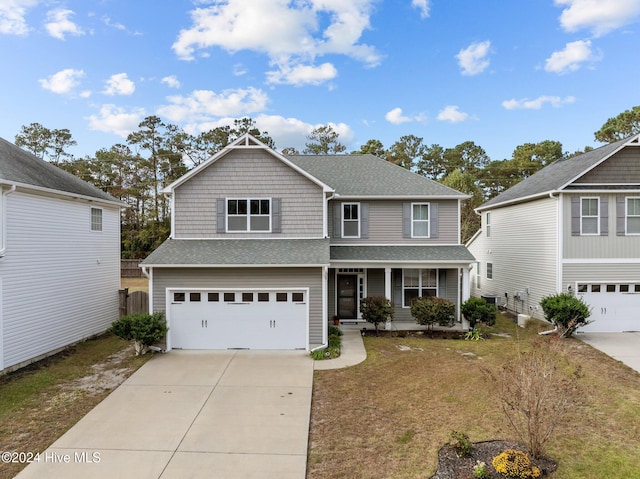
<point>498,73</point>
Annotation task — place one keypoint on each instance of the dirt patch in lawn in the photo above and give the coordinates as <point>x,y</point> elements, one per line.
<point>41,402</point>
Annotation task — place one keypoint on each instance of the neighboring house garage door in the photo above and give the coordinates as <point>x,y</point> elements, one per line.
<point>614,307</point>
<point>242,319</point>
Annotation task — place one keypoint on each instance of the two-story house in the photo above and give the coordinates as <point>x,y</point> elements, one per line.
<point>59,258</point>
<point>265,248</point>
<point>573,226</point>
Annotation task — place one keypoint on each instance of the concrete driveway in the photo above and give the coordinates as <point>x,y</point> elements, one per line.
<point>195,414</point>
<point>625,347</point>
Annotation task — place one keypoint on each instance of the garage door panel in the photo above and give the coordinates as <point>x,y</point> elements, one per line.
<point>614,307</point>
<point>239,319</point>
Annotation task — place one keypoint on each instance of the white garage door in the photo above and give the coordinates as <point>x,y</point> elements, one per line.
<point>238,319</point>
<point>615,307</point>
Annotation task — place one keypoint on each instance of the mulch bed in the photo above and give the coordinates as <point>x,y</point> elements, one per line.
<point>452,466</point>
<point>436,334</point>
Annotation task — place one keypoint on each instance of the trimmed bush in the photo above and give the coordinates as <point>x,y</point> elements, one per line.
<point>376,310</point>
<point>477,310</point>
<point>429,311</point>
<point>567,311</point>
<point>143,328</point>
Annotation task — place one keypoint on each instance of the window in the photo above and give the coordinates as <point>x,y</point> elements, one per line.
<point>633,216</point>
<point>195,297</point>
<point>297,297</point>
<point>350,220</point>
<point>589,214</point>
<point>213,297</point>
<point>247,297</point>
<point>488,225</point>
<point>624,288</point>
<point>178,297</point>
<point>281,297</point>
<point>489,270</point>
<point>263,297</point>
<point>229,297</point>
<point>420,220</point>
<point>418,283</point>
<point>96,219</point>
<point>250,215</point>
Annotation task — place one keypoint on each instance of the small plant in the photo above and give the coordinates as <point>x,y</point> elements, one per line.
<point>515,464</point>
<point>428,311</point>
<point>333,347</point>
<point>473,335</point>
<point>376,310</point>
<point>335,331</point>
<point>461,443</point>
<point>480,470</point>
<point>567,311</point>
<point>143,328</point>
<point>477,310</point>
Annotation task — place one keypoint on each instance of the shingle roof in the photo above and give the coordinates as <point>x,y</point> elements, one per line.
<point>412,254</point>
<point>20,166</point>
<point>240,252</point>
<point>368,175</point>
<point>554,176</point>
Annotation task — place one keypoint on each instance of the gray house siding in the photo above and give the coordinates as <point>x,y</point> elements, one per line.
<point>609,245</point>
<point>247,173</point>
<point>621,168</point>
<point>267,278</point>
<point>59,280</point>
<point>523,251</point>
<point>385,223</point>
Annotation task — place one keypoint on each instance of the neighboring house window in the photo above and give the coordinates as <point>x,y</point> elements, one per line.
<point>589,216</point>
<point>489,270</point>
<point>633,216</point>
<point>488,224</point>
<point>350,220</point>
<point>418,283</point>
<point>96,219</point>
<point>249,215</point>
<point>420,220</point>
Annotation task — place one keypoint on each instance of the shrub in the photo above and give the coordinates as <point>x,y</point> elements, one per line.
<point>428,311</point>
<point>461,443</point>
<point>567,311</point>
<point>143,328</point>
<point>515,464</point>
<point>335,331</point>
<point>477,310</point>
<point>376,310</point>
<point>538,391</point>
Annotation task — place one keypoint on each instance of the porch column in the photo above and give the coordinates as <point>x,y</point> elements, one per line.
<point>387,283</point>
<point>466,284</point>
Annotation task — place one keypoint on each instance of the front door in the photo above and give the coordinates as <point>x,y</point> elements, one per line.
<point>347,296</point>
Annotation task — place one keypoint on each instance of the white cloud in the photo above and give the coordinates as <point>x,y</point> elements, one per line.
<point>119,84</point>
<point>12,16</point>
<point>452,114</point>
<point>299,75</point>
<point>571,58</point>
<point>473,59</point>
<point>206,105</point>
<point>289,33</point>
<point>62,82</point>
<point>171,81</point>
<point>536,104</point>
<point>597,16</point>
<point>113,119</point>
<point>396,117</point>
<point>423,6</point>
<point>59,24</point>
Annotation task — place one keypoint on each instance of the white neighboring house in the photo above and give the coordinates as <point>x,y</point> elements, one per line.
<point>59,258</point>
<point>574,226</point>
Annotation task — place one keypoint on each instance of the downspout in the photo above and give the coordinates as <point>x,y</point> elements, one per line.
<point>3,229</point>
<point>558,263</point>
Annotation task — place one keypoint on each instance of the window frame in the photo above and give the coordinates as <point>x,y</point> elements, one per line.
<point>627,215</point>
<point>248,215</point>
<point>489,270</point>
<point>95,225</point>
<point>421,287</point>
<point>488,224</point>
<point>351,220</point>
<point>427,221</point>
<point>596,216</point>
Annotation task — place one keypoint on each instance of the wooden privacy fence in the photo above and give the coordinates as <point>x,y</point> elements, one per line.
<point>130,268</point>
<point>136,302</point>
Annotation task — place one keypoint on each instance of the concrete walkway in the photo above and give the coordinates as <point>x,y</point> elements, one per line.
<point>625,347</point>
<point>196,414</point>
<point>352,351</point>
